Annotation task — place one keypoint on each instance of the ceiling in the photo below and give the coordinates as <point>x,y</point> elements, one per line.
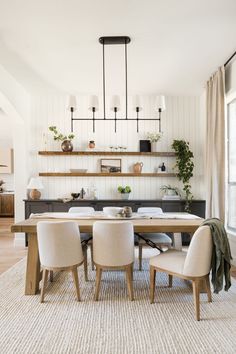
<point>175,45</point>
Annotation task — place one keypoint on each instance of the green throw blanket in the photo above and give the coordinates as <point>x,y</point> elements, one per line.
<point>221,255</point>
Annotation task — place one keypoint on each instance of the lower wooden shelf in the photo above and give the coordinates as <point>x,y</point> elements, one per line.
<point>94,174</point>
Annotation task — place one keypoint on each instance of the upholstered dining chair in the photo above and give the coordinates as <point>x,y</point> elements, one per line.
<point>59,249</point>
<point>113,248</point>
<point>193,265</point>
<point>160,239</point>
<point>85,237</point>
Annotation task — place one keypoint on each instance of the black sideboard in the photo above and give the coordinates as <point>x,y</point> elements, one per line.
<point>54,205</point>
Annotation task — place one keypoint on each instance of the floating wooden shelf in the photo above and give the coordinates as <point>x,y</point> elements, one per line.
<point>94,174</point>
<point>104,174</point>
<point>103,153</point>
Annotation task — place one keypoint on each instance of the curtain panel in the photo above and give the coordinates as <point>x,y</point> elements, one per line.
<point>215,146</point>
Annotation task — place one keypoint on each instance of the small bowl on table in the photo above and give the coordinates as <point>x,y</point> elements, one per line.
<point>112,211</point>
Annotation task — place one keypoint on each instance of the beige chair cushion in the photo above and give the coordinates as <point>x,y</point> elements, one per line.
<point>113,243</point>
<point>170,260</point>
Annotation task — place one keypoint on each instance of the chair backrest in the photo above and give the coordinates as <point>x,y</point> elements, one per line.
<point>198,259</point>
<point>88,210</point>
<point>113,243</point>
<point>59,244</point>
<point>150,210</point>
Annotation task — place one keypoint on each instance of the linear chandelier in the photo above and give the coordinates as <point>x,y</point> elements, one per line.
<point>115,101</point>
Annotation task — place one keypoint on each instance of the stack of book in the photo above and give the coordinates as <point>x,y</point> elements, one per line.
<point>171,197</point>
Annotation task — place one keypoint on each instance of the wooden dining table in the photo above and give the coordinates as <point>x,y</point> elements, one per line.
<point>29,226</point>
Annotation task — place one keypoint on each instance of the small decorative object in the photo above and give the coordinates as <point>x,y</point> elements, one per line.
<point>163,167</point>
<point>91,144</point>
<point>111,165</point>
<point>138,167</point>
<point>82,193</point>
<point>35,184</point>
<point>154,138</point>
<point>75,195</point>
<point>66,145</point>
<point>185,165</point>
<point>1,185</point>
<point>127,211</point>
<point>124,192</point>
<point>144,146</point>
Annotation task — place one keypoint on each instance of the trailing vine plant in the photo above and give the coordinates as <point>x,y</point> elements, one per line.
<point>185,165</point>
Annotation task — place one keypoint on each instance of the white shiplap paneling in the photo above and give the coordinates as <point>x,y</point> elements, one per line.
<point>181,120</point>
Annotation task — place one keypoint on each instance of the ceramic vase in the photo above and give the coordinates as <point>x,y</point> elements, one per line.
<point>124,196</point>
<point>67,146</point>
<point>155,146</point>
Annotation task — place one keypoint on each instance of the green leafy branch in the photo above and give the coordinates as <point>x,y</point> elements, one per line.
<point>185,166</point>
<point>59,136</point>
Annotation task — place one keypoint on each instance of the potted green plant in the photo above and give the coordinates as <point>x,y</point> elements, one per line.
<point>184,165</point>
<point>169,190</point>
<point>154,138</point>
<point>124,192</point>
<point>66,145</point>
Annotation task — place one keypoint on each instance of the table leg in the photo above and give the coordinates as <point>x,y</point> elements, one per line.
<point>177,241</point>
<point>33,266</point>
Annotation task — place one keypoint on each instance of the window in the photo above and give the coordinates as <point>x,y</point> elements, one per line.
<point>231,203</point>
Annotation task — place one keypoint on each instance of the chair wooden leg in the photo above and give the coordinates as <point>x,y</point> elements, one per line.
<point>85,248</point>
<point>129,270</point>
<point>196,299</point>
<point>152,283</point>
<point>44,281</point>
<point>98,281</point>
<point>76,281</point>
<point>51,275</point>
<point>170,280</point>
<point>208,288</point>
<point>140,256</point>
<point>91,250</point>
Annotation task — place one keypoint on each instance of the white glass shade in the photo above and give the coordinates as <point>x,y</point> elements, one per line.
<point>93,102</point>
<point>137,102</point>
<point>115,102</point>
<point>72,102</point>
<point>160,103</point>
<point>35,183</point>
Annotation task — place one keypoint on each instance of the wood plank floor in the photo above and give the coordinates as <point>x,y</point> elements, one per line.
<point>12,252</point>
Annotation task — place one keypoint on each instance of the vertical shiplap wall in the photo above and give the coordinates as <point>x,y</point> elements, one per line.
<point>181,120</point>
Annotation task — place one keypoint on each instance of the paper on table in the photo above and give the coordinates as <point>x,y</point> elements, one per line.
<point>184,216</point>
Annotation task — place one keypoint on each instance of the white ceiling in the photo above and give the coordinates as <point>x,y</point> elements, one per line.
<point>176,44</point>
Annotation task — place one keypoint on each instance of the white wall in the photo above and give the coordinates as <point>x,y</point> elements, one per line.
<point>6,141</point>
<point>181,120</point>
<point>15,103</point>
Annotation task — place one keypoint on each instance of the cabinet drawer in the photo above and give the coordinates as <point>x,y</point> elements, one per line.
<point>6,205</point>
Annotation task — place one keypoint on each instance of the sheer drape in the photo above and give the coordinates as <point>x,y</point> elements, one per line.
<point>215,146</point>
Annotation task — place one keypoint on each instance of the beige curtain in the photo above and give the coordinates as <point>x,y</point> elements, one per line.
<point>215,146</point>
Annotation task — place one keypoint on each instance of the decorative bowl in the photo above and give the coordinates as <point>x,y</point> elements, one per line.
<point>78,170</point>
<point>75,195</point>
<point>112,211</point>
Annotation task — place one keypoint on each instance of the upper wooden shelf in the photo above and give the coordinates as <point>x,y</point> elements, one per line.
<point>110,153</point>
<point>104,174</point>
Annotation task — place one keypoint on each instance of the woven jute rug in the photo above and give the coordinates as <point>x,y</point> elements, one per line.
<point>113,324</point>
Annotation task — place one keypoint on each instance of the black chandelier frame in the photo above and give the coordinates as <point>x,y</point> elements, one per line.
<point>114,40</point>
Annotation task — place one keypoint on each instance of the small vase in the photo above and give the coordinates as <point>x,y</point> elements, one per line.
<point>154,146</point>
<point>67,146</point>
<point>92,144</point>
<point>124,196</point>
